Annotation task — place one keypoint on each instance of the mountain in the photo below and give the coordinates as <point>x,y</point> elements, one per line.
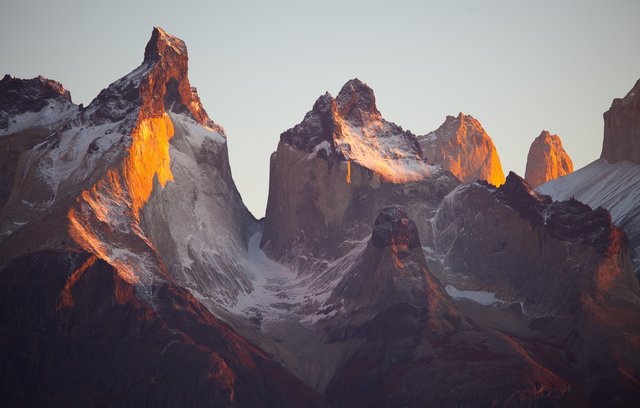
<point>613,181</point>
<point>622,128</point>
<point>132,274</point>
<point>510,333</point>
<point>562,269</point>
<point>333,172</point>
<point>547,160</point>
<point>463,147</point>
<point>115,216</point>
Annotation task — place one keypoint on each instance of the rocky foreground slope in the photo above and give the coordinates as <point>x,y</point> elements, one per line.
<point>131,272</point>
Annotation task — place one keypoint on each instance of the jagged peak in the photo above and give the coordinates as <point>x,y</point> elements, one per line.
<point>515,185</point>
<point>40,87</point>
<point>457,127</point>
<point>18,96</point>
<point>463,120</point>
<point>162,44</point>
<point>546,135</point>
<point>324,103</point>
<point>547,138</point>
<point>394,227</point>
<point>159,85</point>
<point>635,91</point>
<point>622,128</point>
<point>357,102</point>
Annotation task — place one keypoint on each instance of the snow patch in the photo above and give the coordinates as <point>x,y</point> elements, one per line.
<point>55,111</point>
<point>478,296</point>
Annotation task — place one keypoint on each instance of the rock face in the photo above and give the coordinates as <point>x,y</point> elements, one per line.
<point>403,331</point>
<point>547,160</point>
<point>76,334</point>
<point>333,172</point>
<point>124,244</point>
<point>530,235</point>
<point>614,186</point>
<point>390,271</point>
<point>114,217</point>
<point>29,110</point>
<point>613,181</point>
<point>622,128</point>
<point>462,146</point>
<point>144,133</point>
<point>29,96</point>
<point>556,262</point>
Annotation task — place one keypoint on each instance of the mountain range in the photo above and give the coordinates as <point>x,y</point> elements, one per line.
<point>390,269</point>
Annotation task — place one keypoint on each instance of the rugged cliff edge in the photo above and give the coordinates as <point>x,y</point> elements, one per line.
<point>622,128</point>
<point>613,181</point>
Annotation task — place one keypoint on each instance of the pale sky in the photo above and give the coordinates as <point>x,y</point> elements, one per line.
<point>517,66</point>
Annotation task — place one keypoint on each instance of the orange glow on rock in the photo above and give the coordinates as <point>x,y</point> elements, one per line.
<point>66,298</point>
<point>105,220</point>
<point>148,157</point>
<point>348,171</point>
<point>362,145</point>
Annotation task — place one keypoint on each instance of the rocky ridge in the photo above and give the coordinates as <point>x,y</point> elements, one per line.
<point>389,283</point>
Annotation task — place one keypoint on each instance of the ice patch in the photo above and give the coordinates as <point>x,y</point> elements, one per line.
<point>478,296</point>
<point>279,294</point>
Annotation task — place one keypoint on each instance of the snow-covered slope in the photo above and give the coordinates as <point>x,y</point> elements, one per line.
<point>614,186</point>
<point>198,222</point>
<point>351,128</point>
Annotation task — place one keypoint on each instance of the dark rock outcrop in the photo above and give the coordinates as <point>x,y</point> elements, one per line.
<point>76,334</point>
<point>393,227</point>
<point>391,271</point>
<point>541,253</point>
<point>622,128</point>
<point>28,95</point>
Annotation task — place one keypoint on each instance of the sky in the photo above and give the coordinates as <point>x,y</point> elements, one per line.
<point>519,67</point>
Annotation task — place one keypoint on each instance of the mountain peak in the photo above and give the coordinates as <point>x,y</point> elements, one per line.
<point>462,146</point>
<point>159,85</point>
<point>357,102</point>
<point>162,45</point>
<point>30,95</point>
<point>14,90</point>
<point>350,128</point>
<point>394,227</point>
<point>622,128</point>
<point>547,160</point>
